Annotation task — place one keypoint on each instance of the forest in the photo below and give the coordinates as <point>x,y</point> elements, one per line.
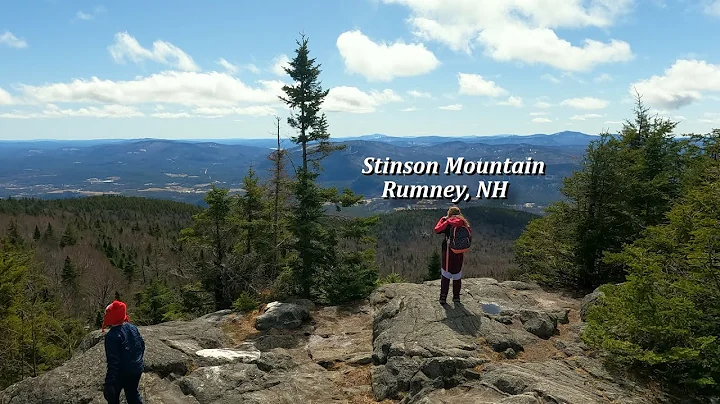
<point>63,260</point>
<point>640,223</point>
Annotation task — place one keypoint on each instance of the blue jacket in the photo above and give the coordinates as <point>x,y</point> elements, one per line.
<point>124,350</point>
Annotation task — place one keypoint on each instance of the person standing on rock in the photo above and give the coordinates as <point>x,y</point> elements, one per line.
<point>458,235</point>
<point>124,351</point>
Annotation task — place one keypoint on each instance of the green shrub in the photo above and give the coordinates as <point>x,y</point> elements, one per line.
<point>245,303</point>
<point>391,278</point>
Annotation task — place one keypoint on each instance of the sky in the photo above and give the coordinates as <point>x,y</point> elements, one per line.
<point>192,70</point>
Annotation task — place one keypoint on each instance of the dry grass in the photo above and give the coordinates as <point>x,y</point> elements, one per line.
<point>355,376</point>
<point>243,328</point>
<point>369,399</point>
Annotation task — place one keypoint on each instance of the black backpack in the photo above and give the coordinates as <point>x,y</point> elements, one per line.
<point>459,240</point>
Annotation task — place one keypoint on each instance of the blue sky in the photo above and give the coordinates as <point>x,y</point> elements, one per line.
<point>181,69</point>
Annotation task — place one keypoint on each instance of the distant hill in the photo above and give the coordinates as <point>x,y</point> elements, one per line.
<point>184,170</point>
<point>566,138</point>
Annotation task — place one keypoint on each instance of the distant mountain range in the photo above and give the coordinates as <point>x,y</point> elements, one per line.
<point>566,138</point>
<point>184,169</point>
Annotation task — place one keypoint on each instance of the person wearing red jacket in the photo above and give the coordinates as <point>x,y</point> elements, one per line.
<point>451,262</point>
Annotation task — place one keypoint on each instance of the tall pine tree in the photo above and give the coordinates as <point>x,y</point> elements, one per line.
<point>316,239</point>
<point>313,241</point>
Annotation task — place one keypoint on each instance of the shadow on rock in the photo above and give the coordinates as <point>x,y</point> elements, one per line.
<point>461,320</point>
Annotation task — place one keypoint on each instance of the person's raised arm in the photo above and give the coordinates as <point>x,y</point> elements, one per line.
<point>441,225</point>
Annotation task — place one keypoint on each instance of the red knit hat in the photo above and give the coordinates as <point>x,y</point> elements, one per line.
<point>115,314</point>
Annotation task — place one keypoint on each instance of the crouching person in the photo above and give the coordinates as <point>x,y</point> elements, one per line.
<point>124,351</point>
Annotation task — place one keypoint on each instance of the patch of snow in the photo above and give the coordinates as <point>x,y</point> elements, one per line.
<point>228,354</point>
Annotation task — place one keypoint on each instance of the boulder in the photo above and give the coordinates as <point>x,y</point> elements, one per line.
<point>588,301</point>
<point>282,316</point>
<point>475,351</point>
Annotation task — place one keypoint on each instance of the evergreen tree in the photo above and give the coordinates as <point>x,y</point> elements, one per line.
<point>49,232</point>
<point>665,319</point>
<point>157,303</point>
<point>68,274</point>
<point>279,185</point>
<point>212,230</point>
<point>13,236</point>
<point>315,241</point>
<point>68,237</point>
<point>626,183</point>
<point>433,266</point>
<point>251,213</point>
<point>36,234</point>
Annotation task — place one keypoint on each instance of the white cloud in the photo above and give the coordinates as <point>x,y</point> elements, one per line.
<point>354,100</point>
<point>183,88</point>
<point>710,117</point>
<point>260,110</point>
<point>474,84</point>
<point>83,16</point>
<point>9,39</point>
<point>386,96</point>
<point>171,115</point>
<point>713,8</point>
<point>512,101</point>
<point>52,111</point>
<point>541,120</point>
<point>381,61</point>
<point>613,122</point>
<point>585,103</point>
<point>21,115</point>
<point>542,105</point>
<point>5,97</point>
<point>603,78</point>
<point>419,94</point>
<point>251,68</point>
<point>411,109</point>
<point>538,113</point>
<point>126,47</point>
<point>521,31</point>
<point>107,111</point>
<point>550,78</point>
<point>584,117</point>
<point>279,64</point>
<point>231,68</point>
<point>685,82</point>
<point>453,107</point>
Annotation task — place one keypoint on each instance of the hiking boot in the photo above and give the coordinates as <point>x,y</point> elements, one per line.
<point>443,301</point>
<point>456,299</point>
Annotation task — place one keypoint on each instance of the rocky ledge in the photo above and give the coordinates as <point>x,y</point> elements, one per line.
<point>505,342</point>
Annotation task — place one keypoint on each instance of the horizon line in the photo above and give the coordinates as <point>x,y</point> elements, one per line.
<point>273,138</point>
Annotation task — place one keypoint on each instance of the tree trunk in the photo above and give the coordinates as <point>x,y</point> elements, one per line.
<point>276,213</point>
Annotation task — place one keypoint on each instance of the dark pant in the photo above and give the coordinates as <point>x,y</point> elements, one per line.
<point>445,286</point>
<point>130,385</point>
<point>452,263</point>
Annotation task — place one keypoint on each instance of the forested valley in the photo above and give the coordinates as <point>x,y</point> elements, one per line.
<point>62,261</point>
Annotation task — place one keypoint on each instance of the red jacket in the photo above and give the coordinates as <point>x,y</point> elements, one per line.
<point>445,224</point>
